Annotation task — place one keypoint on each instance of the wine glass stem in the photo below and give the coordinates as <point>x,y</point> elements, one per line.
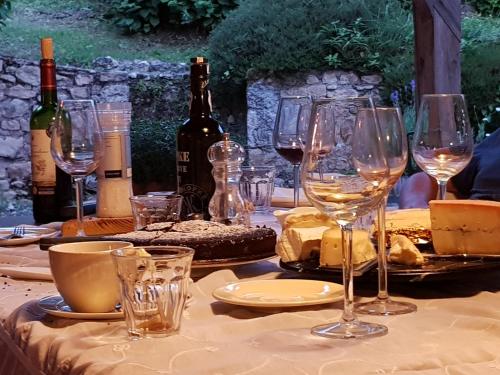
<point>296,184</point>
<point>79,206</point>
<point>382,254</point>
<point>347,273</point>
<point>442,189</point>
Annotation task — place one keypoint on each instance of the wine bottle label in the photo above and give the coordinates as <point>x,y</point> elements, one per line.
<point>116,162</point>
<point>43,167</point>
<point>182,162</point>
<point>195,199</point>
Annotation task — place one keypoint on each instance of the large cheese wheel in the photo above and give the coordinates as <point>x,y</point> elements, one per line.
<point>465,226</point>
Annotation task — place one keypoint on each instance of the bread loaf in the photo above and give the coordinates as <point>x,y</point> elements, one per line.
<point>99,226</point>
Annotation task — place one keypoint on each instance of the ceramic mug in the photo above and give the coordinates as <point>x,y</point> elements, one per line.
<point>85,275</point>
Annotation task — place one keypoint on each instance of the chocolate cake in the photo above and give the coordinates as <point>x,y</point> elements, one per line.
<point>210,240</point>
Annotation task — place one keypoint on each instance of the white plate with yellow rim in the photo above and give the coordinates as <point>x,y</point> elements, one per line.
<point>279,293</point>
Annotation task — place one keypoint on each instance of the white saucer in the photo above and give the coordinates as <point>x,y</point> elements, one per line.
<point>32,234</point>
<point>279,293</point>
<point>55,305</point>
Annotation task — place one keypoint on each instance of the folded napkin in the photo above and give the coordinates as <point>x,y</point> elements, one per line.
<point>283,197</point>
<point>26,273</point>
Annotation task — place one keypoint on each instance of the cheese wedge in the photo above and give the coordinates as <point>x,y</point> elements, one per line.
<point>281,215</point>
<point>403,251</point>
<point>298,243</point>
<point>331,248</point>
<point>465,226</point>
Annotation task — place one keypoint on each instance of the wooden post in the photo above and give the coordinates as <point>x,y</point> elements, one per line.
<point>437,46</point>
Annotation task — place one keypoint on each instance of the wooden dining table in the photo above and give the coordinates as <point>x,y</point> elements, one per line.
<point>456,330</point>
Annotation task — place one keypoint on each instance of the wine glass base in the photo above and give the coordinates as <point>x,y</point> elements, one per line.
<point>385,307</point>
<point>349,330</point>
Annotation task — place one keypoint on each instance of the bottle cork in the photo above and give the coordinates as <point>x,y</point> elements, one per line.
<point>47,48</point>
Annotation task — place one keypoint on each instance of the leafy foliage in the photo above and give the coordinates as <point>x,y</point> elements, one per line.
<point>486,7</point>
<point>369,44</point>
<point>5,7</point>
<point>480,72</point>
<point>406,4</point>
<point>147,15</point>
<point>292,35</point>
<point>153,152</point>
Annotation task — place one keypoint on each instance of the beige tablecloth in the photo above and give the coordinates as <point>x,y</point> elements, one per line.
<point>455,331</point>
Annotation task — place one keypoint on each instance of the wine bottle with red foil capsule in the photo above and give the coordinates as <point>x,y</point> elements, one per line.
<point>194,172</point>
<point>51,187</point>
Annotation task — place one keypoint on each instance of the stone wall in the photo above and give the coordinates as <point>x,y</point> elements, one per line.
<point>107,80</point>
<point>263,93</point>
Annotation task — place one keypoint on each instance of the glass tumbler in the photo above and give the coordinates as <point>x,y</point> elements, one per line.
<point>153,208</point>
<point>257,186</point>
<point>154,282</point>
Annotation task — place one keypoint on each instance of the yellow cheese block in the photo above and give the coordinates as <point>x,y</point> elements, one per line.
<point>282,215</point>
<point>302,231</point>
<point>465,226</point>
<point>331,248</point>
<point>298,243</point>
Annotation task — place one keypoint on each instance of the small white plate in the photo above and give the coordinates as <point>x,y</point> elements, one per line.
<point>32,234</point>
<point>55,305</point>
<point>279,293</point>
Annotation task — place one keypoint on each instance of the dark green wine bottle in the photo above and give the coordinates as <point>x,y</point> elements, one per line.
<point>194,172</point>
<point>51,187</point>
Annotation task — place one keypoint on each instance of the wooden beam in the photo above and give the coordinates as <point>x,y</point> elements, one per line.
<point>437,46</point>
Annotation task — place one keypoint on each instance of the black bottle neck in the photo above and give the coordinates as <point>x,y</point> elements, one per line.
<point>200,105</point>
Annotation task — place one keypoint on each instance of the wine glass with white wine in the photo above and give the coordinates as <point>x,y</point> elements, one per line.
<point>396,150</point>
<point>345,179</point>
<point>443,139</point>
<point>77,145</point>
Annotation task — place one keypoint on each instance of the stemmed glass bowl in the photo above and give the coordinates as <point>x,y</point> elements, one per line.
<point>443,138</point>
<point>290,128</point>
<point>345,176</point>
<point>77,145</point>
<point>395,145</point>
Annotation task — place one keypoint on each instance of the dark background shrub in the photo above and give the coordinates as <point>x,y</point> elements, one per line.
<point>294,35</point>
<point>147,15</point>
<point>153,155</point>
<point>486,7</point>
<point>5,7</point>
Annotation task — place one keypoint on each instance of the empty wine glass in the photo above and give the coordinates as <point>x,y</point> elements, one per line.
<point>290,127</point>
<point>395,145</point>
<point>352,182</point>
<point>443,138</point>
<point>76,145</point>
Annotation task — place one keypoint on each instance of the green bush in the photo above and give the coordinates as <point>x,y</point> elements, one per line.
<point>5,7</point>
<point>147,15</point>
<point>293,35</point>
<point>486,7</point>
<point>153,152</point>
<point>369,44</point>
<point>406,4</point>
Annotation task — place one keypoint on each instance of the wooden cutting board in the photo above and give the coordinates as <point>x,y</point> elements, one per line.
<point>95,226</point>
